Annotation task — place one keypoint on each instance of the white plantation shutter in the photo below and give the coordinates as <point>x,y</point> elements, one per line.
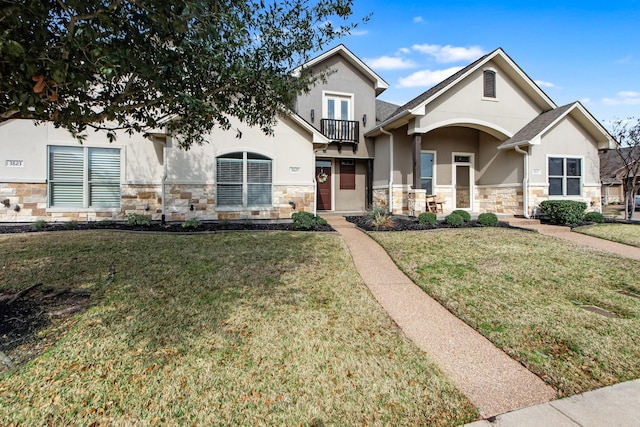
<point>258,182</point>
<point>229,178</point>
<point>243,179</point>
<point>66,175</point>
<point>104,177</point>
<point>82,177</point>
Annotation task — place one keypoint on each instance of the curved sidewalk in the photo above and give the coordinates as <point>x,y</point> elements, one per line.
<point>489,378</point>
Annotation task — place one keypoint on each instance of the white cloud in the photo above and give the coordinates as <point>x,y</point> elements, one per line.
<point>404,50</point>
<point>624,98</point>
<point>418,19</point>
<point>585,101</point>
<point>426,78</point>
<point>359,33</point>
<point>389,63</point>
<point>542,83</point>
<point>449,53</point>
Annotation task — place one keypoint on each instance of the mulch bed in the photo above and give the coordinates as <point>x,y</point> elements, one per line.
<point>401,223</point>
<point>213,226</point>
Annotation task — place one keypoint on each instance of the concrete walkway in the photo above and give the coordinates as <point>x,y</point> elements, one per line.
<point>582,239</point>
<point>505,393</point>
<point>489,378</point>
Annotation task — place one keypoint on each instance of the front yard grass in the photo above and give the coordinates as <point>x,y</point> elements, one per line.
<point>224,329</point>
<point>629,234</point>
<point>523,291</point>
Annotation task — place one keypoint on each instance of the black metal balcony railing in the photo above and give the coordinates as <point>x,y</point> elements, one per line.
<point>341,131</point>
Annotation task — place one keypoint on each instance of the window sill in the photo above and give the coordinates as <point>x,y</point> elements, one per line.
<point>73,209</point>
<point>484,98</point>
<point>244,208</point>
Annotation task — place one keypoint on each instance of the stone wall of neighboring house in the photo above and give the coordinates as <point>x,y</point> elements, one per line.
<point>182,202</point>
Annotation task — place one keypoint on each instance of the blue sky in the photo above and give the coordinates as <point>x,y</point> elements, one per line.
<point>586,51</point>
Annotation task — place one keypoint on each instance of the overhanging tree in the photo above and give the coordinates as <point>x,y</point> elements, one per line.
<point>137,65</point>
<point>627,133</point>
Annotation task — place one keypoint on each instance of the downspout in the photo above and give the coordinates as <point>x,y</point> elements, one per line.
<point>390,168</point>
<point>525,181</point>
<point>164,180</point>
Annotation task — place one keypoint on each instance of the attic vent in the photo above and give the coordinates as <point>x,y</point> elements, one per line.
<point>489,83</point>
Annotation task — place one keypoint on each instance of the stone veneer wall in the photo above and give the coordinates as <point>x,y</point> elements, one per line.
<point>499,200</point>
<point>183,201</point>
<point>590,195</point>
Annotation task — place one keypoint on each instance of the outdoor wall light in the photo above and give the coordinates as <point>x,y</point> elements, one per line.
<point>292,204</point>
<point>313,114</point>
<point>364,120</point>
<point>146,207</point>
<point>6,203</point>
<point>15,207</point>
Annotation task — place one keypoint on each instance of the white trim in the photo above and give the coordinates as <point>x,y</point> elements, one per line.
<point>485,126</point>
<point>23,181</point>
<point>69,209</point>
<point>471,165</point>
<point>517,184</point>
<point>379,84</point>
<point>326,94</point>
<point>564,184</point>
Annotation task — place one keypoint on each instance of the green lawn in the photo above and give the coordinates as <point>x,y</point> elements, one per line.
<point>219,329</point>
<point>523,291</point>
<point>629,234</point>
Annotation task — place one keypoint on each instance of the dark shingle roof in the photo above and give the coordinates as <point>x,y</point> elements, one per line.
<point>384,110</point>
<point>537,125</point>
<point>611,163</point>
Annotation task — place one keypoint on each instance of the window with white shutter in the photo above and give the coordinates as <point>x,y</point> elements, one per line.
<point>243,180</point>
<point>81,177</point>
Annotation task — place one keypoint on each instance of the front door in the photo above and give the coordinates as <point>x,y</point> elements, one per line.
<point>463,181</point>
<point>323,179</point>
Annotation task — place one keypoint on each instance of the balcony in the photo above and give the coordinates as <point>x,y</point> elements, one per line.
<point>341,131</point>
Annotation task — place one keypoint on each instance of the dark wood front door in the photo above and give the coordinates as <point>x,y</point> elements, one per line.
<point>323,173</point>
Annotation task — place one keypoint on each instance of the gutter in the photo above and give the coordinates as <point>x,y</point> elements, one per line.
<point>390,168</point>
<point>525,181</point>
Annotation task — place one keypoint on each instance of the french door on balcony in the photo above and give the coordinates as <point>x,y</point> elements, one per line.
<point>337,107</point>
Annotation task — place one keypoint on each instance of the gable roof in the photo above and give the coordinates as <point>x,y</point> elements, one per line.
<point>612,164</point>
<point>533,131</point>
<point>417,105</point>
<point>379,83</point>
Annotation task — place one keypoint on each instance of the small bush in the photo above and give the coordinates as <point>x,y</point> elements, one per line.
<point>40,225</point>
<point>563,212</point>
<point>192,223</point>
<point>379,217</point>
<point>454,220</point>
<point>466,216</point>
<point>138,219</point>
<point>428,218</point>
<point>488,219</point>
<point>306,220</point>
<point>70,224</point>
<point>594,217</point>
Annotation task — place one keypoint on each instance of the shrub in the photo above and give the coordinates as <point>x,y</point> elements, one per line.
<point>563,212</point>
<point>454,220</point>
<point>428,218</point>
<point>306,220</point>
<point>40,225</point>
<point>594,217</point>
<point>488,219</point>
<point>466,216</point>
<point>192,223</point>
<point>70,224</point>
<point>138,219</point>
<point>379,217</point>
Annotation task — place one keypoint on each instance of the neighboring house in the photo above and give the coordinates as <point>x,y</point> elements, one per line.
<point>613,171</point>
<point>487,139</point>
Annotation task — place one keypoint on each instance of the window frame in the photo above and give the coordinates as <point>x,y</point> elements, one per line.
<point>565,177</point>
<point>433,171</point>
<point>326,95</point>
<point>246,183</point>
<point>86,180</point>
<point>491,95</point>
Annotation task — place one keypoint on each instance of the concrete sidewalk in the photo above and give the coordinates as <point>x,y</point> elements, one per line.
<point>617,405</point>
<point>505,393</point>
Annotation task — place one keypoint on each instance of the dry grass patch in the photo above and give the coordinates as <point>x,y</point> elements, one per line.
<point>628,234</point>
<point>227,329</point>
<point>523,291</point>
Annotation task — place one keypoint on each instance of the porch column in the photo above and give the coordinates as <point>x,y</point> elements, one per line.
<point>417,157</point>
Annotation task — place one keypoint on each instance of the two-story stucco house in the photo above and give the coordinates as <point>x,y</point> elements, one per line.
<point>487,139</point>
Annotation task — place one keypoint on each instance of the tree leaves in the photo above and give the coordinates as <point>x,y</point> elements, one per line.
<point>129,65</point>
